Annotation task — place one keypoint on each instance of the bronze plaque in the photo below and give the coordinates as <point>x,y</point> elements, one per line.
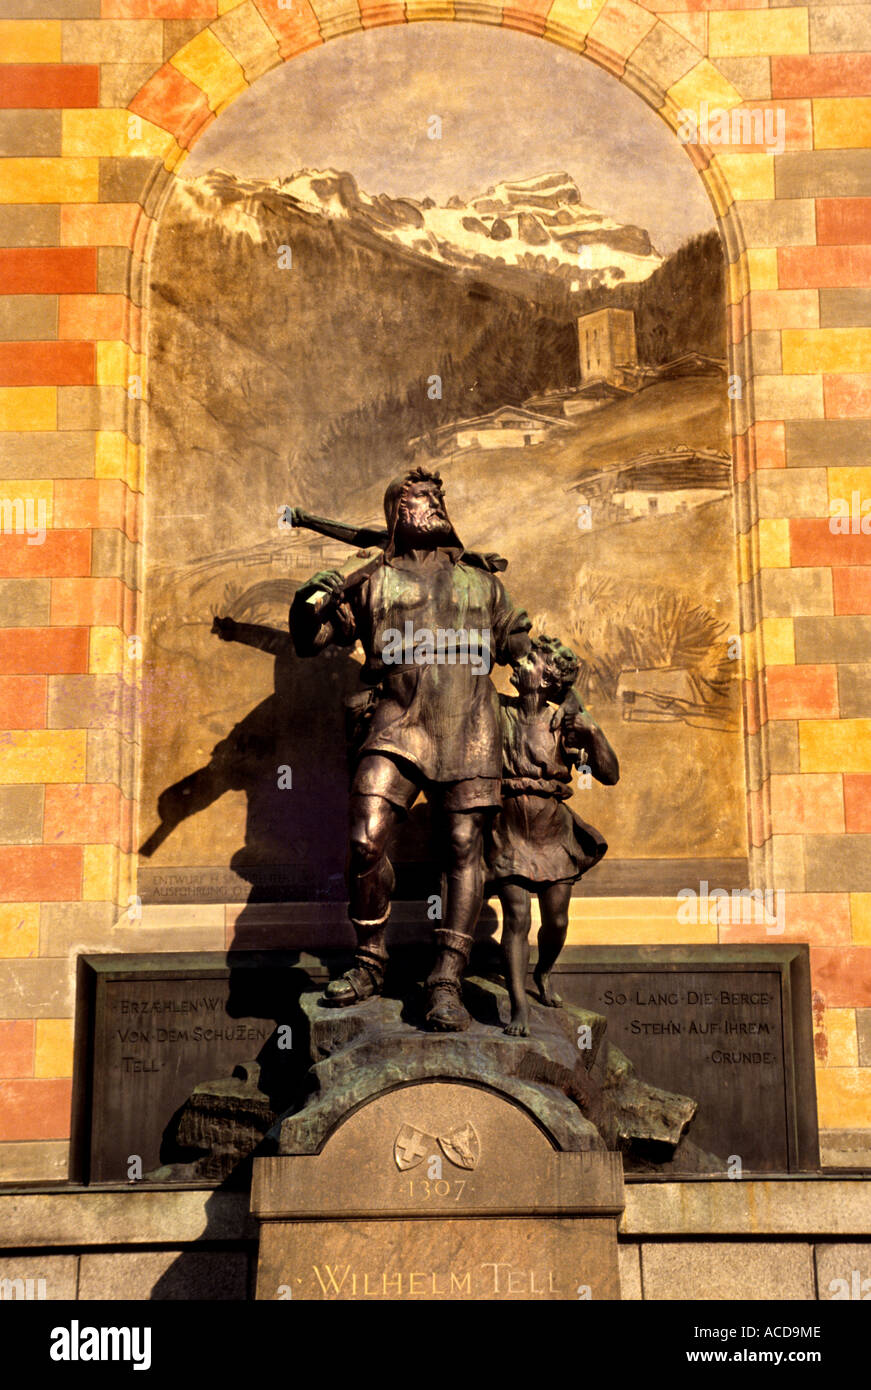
<point>729,1026</point>
<point>151,1028</point>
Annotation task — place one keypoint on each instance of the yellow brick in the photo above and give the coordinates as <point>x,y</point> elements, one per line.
<point>212,68</point>
<point>754,270</point>
<point>635,921</point>
<point>43,755</point>
<point>842,123</point>
<point>54,1047</point>
<point>631,933</point>
<point>825,349</point>
<point>429,9</point>
<point>49,181</point>
<point>703,83</point>
<point>38,490</point>
<point>835,745</point>
<point>843,1044</point>
<point>106,647</point>
<point>752,653</point>
<point>19,930</point>
<point>110,132</point>
<point>116,362</point>
<point>572,20</point>
<point>762,269</point>
<point>28,407</point>
<point>100,873</point>
<point>116,456</point>
<point>860,918</point>
<point>844,482</point>
<point>749,176</point>
<point>778,637</point>
<point>107,874</point>
<point>748,555</point>
<point>773,544</point>
<point>757,33</point>
<point>30,41</point>
<point>844,1097</point>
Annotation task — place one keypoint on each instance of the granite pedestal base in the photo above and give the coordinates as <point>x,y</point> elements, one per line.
<point>438,1191</point>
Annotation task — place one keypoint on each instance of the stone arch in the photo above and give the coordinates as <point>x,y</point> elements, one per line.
<point>664,68</point>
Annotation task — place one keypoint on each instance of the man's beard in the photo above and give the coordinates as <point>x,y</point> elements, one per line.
<point>423,534</point>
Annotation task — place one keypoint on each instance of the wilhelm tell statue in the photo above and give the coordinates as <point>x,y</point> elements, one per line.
<point>429,618</point>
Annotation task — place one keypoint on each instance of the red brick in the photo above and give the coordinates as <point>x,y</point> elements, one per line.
<point>34,650</point>
<point>802,692</point>
<point>17,1037</point>
<point>811,542</point>
<point>22,702</point>
<point>820,918</point>
<point>843,221</point>
<point>48,270</point>
<point>842,977</point>
<point>847,396</point>
<point>48,364</point>
<point>531,19</point>
<point>823,267</point>
<point>821,75</point>
<point>857,802</point>
<point>752,713</point>
<point>35,1109</point>
<point>170,100</point>
<point>61,553</point>
<point>763,446</point>
<point>91,603</point>
<point>95,502</point>
<point>852,590</point>
<point>375,12</point>
<point>90,814</point>
<point>41,873</point>
<point>38,86</point>
<point>295,30</point>
<point>99,317</point>
<point>807,804</point>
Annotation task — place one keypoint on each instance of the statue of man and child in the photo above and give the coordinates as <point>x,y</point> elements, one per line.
<point>496,770</point>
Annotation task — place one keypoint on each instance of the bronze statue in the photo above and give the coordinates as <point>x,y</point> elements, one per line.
<point>430,620</point>
<point>537,845</point>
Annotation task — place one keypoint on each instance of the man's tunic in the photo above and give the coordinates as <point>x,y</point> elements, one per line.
<point>441,716</point>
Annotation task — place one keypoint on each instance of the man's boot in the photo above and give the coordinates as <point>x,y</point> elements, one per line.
<point>446,1012</point>
<point>365,979</point>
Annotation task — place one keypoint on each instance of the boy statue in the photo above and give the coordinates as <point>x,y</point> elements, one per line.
<point>537,845</point>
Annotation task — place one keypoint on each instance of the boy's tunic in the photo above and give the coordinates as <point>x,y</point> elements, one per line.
<point>536,837</point>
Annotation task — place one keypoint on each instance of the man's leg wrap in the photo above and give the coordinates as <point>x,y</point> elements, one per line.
<point>448,940</point>
<point>371,951</point>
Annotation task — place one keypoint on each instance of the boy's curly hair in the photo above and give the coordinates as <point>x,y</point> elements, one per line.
<point>561,663</point>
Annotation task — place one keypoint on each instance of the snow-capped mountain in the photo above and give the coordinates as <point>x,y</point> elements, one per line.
<point>538,224</point>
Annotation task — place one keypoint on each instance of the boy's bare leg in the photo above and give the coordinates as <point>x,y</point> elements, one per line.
<point>516,921</point>
<point>554,903</point>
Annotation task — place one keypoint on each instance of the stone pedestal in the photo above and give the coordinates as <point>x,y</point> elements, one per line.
<point>434,1191</point>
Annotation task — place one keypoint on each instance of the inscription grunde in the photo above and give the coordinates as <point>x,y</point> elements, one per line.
<point>720,1028</point>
